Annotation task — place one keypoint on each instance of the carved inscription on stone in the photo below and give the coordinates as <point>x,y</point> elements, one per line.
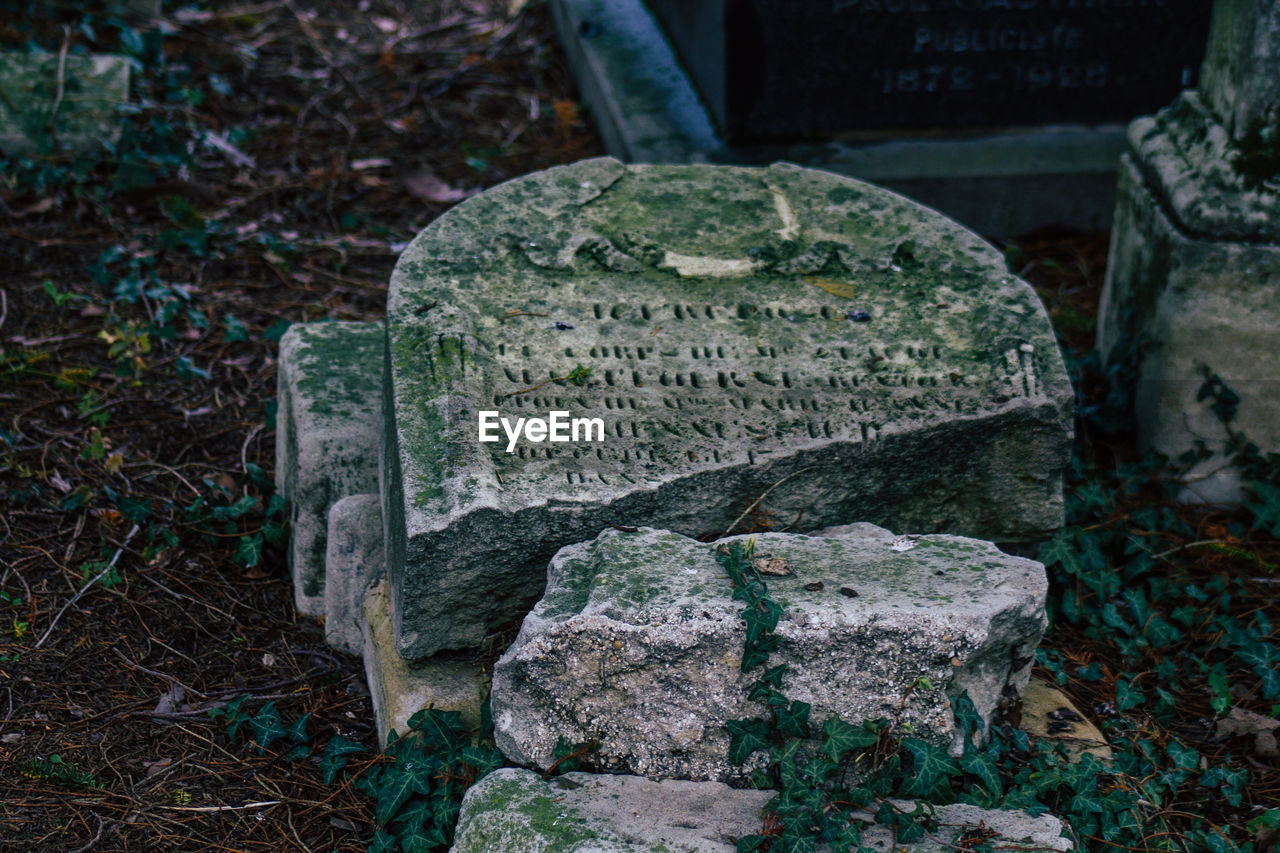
<point>732,329</point>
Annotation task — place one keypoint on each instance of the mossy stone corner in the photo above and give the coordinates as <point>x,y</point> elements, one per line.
<point>327,436</point>
<point>744,329</point>
<point>67,103</point>
<point>516,811</point>
<point>638,643</point>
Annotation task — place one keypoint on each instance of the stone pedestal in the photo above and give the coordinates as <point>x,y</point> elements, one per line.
<point>1193,284</point>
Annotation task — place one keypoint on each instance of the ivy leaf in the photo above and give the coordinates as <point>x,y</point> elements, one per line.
<point>1128,696</point>
<point>440,730</point>
<point>932,769</point>
<point>382,843</point>
<point>267,726</point>
<point>297,732</point>
<point>407,779</point>
<point>751,843</point>
<point>793,720</point>
<point>746,736</point>
<point>484,760</point>
<point>334,758</point>
<point>968,720</point>
<point>841,737</point>
<point>983,765</point>
<point>794,843</point>
<point>250,551</point>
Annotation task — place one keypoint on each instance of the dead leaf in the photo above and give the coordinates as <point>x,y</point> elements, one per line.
<point>567,113</point>
<point>425,185</point>
<point>776,566</point>
<point>1244,723</point>
<point>157,766</point>
<point>256,573</point>
<point>44,205</point>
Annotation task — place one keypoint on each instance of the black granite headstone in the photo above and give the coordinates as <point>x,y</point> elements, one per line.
<point>794,69</point>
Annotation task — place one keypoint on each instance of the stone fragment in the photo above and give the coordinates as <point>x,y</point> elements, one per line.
<point>516,811</point>
<point>328,427</point>
<point>637,644</point>
<point>707,317</point>
<point>68,102</point>
<point>400,689</point>
<point>1049,713</point>
<point>354,557</point>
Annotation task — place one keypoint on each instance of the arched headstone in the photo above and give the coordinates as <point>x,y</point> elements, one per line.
<point>728,346</point>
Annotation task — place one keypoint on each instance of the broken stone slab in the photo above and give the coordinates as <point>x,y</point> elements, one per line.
<point>354,557</point>
<point>735,331</point>
<point>327,436</point>
<point>637,644</point>
<point>400,689</point>
<point>516,811</point>
<point>66,102</point>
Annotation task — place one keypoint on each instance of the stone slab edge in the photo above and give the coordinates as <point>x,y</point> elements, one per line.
<point>399,689</point>
<point>647,111</point>
<point>354,557</point>
<point>327,436</point>
<point>516,811</point>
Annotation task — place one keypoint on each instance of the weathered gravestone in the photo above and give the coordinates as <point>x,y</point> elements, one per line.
<point>65,102</point>
<point>1007,115</point>
<point>517,811</point>
<point>725,335</point>
<point>638,643</point>
<point>1193,283</point>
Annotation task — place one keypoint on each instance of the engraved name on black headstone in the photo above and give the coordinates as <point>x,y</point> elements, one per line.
<point>813,68</point>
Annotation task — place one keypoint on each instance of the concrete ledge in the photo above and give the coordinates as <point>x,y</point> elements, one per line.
<point>327,436</point>
<point>647,111</point>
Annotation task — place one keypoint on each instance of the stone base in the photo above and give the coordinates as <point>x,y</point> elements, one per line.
<point>1193,298</point>
<point>399,690</point>
<point>516,811</point>
<point>327,436</point>
<point>647,111</point>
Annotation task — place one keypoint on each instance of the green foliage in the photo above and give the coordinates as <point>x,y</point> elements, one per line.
<point>418,794</point>
<point>54,769</point>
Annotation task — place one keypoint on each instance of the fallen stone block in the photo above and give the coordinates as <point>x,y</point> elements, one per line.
<point>516,811</point>
<point>328,426</point>
<point>637,644</point>
<point>718,333</point>
<point>400,689</point>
